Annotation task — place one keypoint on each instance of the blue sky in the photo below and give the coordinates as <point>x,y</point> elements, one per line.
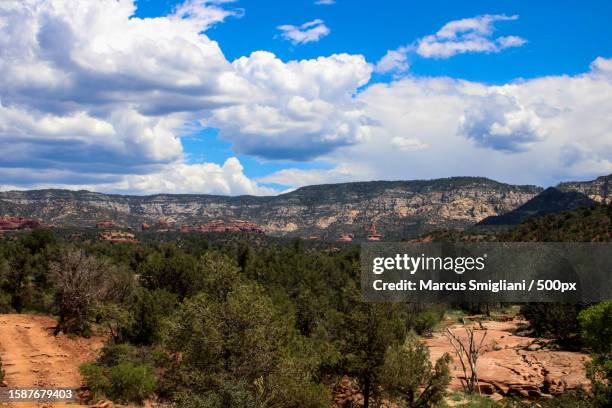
<point>562,39</point>
<point>260,96</point>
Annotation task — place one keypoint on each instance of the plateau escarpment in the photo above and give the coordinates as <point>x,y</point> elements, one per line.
<point>396,208</point>
<point>599,190</point>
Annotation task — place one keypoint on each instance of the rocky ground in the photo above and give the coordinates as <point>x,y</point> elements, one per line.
<point>510,364</point>
<point>514,365</point>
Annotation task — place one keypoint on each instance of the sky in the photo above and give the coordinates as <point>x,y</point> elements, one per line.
<point>260,97</point>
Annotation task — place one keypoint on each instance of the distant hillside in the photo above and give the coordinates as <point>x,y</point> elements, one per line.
<point>549,201</point>
<point>397,208</point>
<point>583,225</point>
<point>599,190</point>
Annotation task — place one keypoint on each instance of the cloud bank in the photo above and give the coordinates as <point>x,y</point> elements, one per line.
<point>539,131</point>
<point>93,97</point>
<point>91,92</point>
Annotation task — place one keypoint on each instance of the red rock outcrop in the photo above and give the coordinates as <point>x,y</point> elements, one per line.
<point>117,236</point>
<point>18,223</point>
<point>105,224</point>
<point>345,238</point>
<point>222,226</point>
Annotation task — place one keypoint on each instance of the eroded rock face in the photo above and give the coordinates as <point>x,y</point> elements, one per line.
<point>515,365</point>
<point>18,223</point>
<point>398,208</point>
<point>599,190</point>
<point>222,226</point>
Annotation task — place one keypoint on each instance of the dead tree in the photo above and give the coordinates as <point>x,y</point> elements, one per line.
<point>468,353</point>
<point>79,283</point>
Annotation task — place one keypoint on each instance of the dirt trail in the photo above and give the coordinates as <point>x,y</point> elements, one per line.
<point>33,357</point>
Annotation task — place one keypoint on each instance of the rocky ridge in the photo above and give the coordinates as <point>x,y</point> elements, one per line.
<point>599,190</point>
<point>396,209</point>
<point>549,201</point>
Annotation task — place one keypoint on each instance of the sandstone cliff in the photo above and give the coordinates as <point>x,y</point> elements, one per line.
<point>398,208</point>
<point>599,190</point>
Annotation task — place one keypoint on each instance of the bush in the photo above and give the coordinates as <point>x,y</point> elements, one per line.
<point>569,399</point>
<point>596,327</point>
<point>237,349</point>
<point>555,320</point>
<point>151,307</point>
<point>131,383</point>
<point>409,376</point>
<point>125,382</point>
<point>113,354</point>
<point>96,379</point>
<point>425,322</point>
<point>5,302</point>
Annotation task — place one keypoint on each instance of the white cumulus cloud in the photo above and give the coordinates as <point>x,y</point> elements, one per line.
<point>91,93</point>
<point>467,35</point>
<point>499,121</point>
<point>539,131</point>
<point>455,37</point>
<point>394,61</point>
<point>310,31</point>
<point>297,110</point>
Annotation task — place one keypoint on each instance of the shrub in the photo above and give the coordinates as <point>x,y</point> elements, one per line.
<point>554,320</point>
<point>151,307</point>
<point>125,382</point>
<point>236,349</point>
<point>5,302</point>
<point>409,376</point>
<point>596,327</point>
<point>78,280</point>
<point>96,379</point>
<point>113,354</point>
<point>131,383</point>
<point>426,321</point>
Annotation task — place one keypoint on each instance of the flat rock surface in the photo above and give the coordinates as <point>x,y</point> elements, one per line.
<point>511,364</point>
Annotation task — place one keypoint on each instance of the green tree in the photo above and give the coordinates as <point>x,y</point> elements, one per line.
<point>124,382</point>
<point>596,328</point>
<point>408,375</point>
<point>148,313</point>
<point>555,320</point>
<point>370,329</point>
<point>172,269</point>
<point>238,351</point>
